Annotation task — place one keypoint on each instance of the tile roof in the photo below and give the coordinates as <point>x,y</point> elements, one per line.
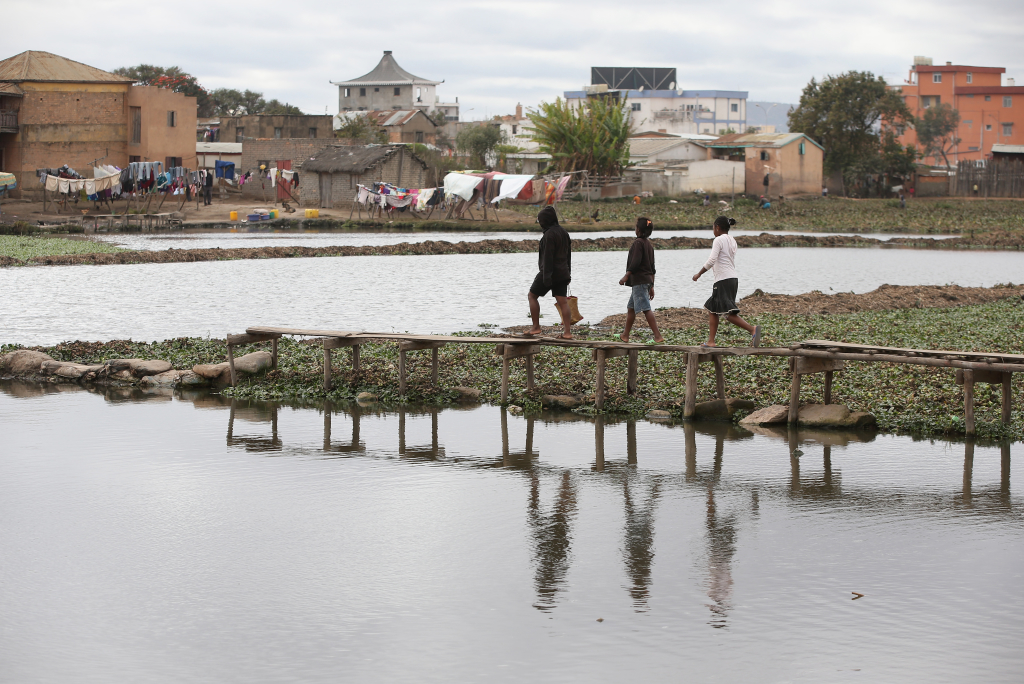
<point>757,140</point>
<point>352,158</point>
<point>647,147</point>
<point>33,65</point>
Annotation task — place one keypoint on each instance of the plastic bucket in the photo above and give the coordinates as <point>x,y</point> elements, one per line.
<point>254,217</point>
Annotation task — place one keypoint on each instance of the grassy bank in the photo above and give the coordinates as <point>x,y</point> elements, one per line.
<point>825,215</point>
<point>906,399</point>
<point>24,248</point>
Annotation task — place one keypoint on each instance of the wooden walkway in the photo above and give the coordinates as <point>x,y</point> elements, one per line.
<point>811,356</point>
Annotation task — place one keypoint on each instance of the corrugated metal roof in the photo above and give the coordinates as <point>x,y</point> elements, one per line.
<point>352,158</point>
<point>221,147</point>
<point>646,147</point>
<point>758,140</point>
<point>11,90</point>
<point>1008,149</point>
<point>33,65</point>
<point>387,72</point>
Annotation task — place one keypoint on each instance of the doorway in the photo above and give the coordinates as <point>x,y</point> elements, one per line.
<point>325,191</point>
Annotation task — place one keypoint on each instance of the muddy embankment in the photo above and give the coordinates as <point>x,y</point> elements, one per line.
<point>429,247</point>
<point>885,298</point>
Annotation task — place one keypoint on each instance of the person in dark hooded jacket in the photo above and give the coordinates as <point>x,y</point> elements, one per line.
<point>555,271</point>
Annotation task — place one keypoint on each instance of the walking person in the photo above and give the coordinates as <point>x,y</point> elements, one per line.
<point>723,296</point>
<point>640,277</point>
<point>208,188</point>
<point>554,271</point>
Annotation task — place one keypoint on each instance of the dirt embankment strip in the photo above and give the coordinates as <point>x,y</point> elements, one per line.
<point>885,298</point>
<point>1002,241</point>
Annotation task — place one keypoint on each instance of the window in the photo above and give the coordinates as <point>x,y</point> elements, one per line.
<point>988,98</point>
<point>930,101</point>
<point>973,148</point>
<point>312,132</point>
<point>376,90</point>
<point>764,155</point>
<point>419,136</point>
<point>348,92</point>
<point>515,128</point>
<point>971,96</point>
<point>1007,101</point>
<point>735,107</point>
<point>936,77</point>
<point>988,127</point>
<point>968,122</point>
<point>635,106</point>
<point>398,91</point>
<point>136,113</point>
<point>240,134</point>
<point>172,119</point>
<point>362,92</point>
<point>134,159</point>
<point>277,132</point>
<point>803,148</point>
<point>970,77</point>
<point>419,94</point>
<point>1007,129</point>
<point>171,162</point>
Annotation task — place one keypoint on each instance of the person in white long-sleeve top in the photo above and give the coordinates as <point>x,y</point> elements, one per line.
<point>723,297</point>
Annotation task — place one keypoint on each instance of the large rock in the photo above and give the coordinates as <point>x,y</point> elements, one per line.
<point>23,362</point>
<point>739,405</point>
<point>659,414</point>
<point>823,415</point>
<point>565,401</point>
<point>211,371</point>
<point>769,415</point>
<point>720,410</point>
<point>468,394</point>
<point>169,378</point>
<point>253,363</point>
<point>191,379</point>
<point>141,369</point>
<point>68,370</point>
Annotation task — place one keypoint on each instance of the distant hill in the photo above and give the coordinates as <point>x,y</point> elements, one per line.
<point>777,115</point>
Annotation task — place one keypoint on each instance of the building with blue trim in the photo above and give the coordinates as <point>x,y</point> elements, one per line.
<point>676,112</point>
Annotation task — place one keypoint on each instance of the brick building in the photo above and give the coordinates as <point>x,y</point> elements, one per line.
<point>990,112</point>
<point>330,177</point>
<point>275,126</point>
<point>284,154</point>
<point>401,125</point>
<point>56,111</point>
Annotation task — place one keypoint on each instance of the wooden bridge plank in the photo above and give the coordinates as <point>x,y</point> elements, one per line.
<point>1009,358</point>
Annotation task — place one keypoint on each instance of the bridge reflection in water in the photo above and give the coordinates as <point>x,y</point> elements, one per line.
<point>551,526</point>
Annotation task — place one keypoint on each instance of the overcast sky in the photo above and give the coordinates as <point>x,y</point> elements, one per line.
<point>492,55</point>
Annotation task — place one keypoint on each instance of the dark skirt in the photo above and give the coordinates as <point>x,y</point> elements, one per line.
<point>723,297</point>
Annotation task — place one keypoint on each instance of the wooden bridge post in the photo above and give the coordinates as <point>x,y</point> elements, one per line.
<point>1007,398</point>
<point>599,444</point>
<point>529,372</point>
<point>433,366</point>
<point>327,367</point>
<point>719,376</point>
<point>507,352</point>
<point>690,403</point>
<point>633,365</point>
<point>231,364</point>
<point>599,385</point>
<point>355,358</point>
<point>273,352</point>
<point>969,401</point>
<point>401,369</point>
<point>794,397</point>
<point>828,387</point>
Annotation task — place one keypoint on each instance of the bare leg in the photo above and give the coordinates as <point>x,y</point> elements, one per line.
<point>713,328</point>
<point>534,314</point>
<point>653,323</point>
<point>630,318</point>
<point>562,303</point>
<point>736,320</point>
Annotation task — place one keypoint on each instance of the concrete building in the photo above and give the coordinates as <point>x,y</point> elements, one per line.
<point>653,150</point>
<point>657,104</point>
<point>331,176</point>
<point>390,87</point>
<point>207,154</point>
<point>402,126</point>
<point>792,162</point>
<point>275,126</point>
<point>678,178</point>
<point>56,111</point>
<point>991,113</point>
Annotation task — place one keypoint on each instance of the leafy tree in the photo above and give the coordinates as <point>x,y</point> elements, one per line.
<point>231,102</point>
<point>362,128</point>
<point>173,78</point>
<point>593,136</point>
<point>478,143</point>
<point>275,107</point>
<point>845,114</point>
<point>936,131</point>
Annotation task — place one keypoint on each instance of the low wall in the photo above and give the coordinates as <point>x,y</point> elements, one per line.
<point>716,176</point>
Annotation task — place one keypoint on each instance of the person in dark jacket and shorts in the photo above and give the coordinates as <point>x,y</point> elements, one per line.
<point>640,277</point>
<point>723,297</point>
<point>208,188</point>
<point>555,271</point>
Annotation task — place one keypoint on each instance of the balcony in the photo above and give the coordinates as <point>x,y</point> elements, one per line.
<point>8,121</point>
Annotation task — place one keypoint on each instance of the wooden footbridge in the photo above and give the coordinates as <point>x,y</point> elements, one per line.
<point>811,356</point>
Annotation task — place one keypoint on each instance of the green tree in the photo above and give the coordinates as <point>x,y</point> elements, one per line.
<point>231,102</point>
<point>478,142</point>
<point>845,114</point>
<point>276,107</point>
<point>593,136</point>
<point>936,131</point>
<point>363,129</point>
<point>173,78</point>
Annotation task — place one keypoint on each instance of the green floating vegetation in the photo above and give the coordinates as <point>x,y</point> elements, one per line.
<point>26,247</point>
<point>916,400</point>
<point>831,215</point>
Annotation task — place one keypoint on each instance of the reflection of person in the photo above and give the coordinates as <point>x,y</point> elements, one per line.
<point>552,539</point>
<point>640,277</point>
<point>555,264</point>
<point>723,296</point>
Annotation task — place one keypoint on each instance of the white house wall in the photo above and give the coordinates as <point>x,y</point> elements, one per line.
<point>714,176</point>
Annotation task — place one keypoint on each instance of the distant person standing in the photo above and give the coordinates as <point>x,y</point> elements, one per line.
<point>903,200</point>
<point>640,277</point>
<point>723,296</point>
<point>824,191</point>
<point>208,189</point>
<point>554,271</point>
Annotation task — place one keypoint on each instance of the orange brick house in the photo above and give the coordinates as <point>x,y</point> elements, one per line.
<point>990,112</point>
<point>55,111</point>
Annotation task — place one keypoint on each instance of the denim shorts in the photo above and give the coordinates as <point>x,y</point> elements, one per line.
<point>640,299</point>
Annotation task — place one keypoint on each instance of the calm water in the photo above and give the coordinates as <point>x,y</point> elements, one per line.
<point>165,540</point>
<point>422,294</point>
<point>264,237</point>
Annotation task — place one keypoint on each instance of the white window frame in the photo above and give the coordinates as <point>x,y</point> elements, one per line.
<point>1007,100</point>
<point>937,77</point>
<point>1007,129</point>
<point>970,77</point>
